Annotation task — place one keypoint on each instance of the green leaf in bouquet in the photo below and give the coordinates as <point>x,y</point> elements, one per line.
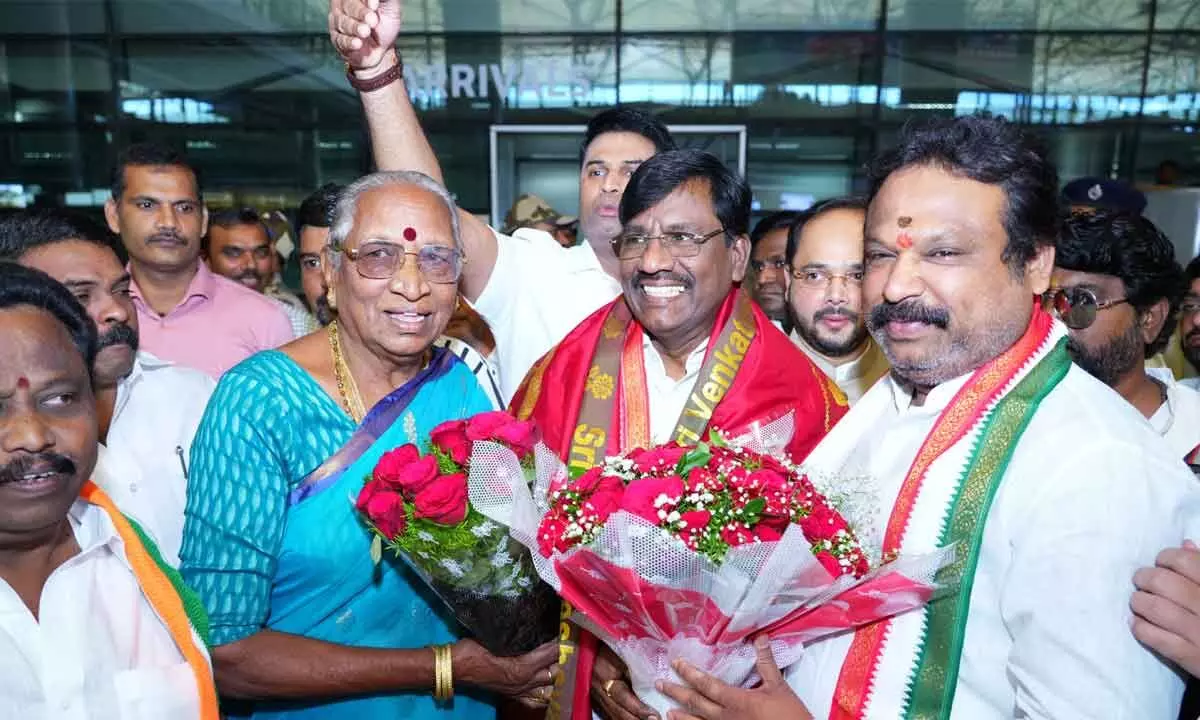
<point>754,510</point>
<point>716,439</point>
<point>697,457</point>
<point>376,548</point>
<point>446,464</point>
<point>574,472</point>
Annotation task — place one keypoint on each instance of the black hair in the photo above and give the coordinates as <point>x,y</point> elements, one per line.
<point>23,231</point>
<point>775,221</point>
<point>847,202</point>
<point>20,285</point>
<point>666,172</point>
<point>623,119</point>
<point>317,208</point>
<point>149,154</point>
<point>1130,247</point>
<point>231,218</point>
<point>993,151</point>
<point>1192,271</point>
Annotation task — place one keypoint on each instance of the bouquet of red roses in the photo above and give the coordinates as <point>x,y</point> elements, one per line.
<point>691,553</point>
<point>444,513</point>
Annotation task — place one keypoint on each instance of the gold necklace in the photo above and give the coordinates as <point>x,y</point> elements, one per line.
<point>347,388</point>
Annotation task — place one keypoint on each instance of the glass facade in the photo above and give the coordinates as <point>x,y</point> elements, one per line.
<point>253,90</point>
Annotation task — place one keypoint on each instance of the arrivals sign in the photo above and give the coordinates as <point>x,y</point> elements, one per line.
<point>548,78</point>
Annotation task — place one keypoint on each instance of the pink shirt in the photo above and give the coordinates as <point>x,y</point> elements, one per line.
<point>218,324</point>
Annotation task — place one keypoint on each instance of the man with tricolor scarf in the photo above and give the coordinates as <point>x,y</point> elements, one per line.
<point>93,622</point>
<point>680,353</point>
<point>987,438</point>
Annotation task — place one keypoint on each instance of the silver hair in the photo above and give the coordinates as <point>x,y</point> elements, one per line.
<point>347,204</point>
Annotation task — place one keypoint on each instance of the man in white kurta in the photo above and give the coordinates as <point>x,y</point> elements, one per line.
<point>1052,489</point>
<point>1091,494</point>
<point>149,408</point>
<point>1118,285</point>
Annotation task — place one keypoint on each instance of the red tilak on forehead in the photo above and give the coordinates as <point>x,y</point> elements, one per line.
<point>23,383</point>
<point>904,241</point>
<point>410,234</point>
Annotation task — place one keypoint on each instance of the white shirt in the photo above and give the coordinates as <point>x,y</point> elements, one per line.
<point>537,293</point>
<point>142,463</point>
<point>1178,419</point>
<point>97,651</point>
<point>484,371</point>
<point>301,320</point>
<point>1091,494</point>
<point>854,377</point>
<point>668,397</point>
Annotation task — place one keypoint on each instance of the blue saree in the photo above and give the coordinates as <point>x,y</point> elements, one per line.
<point>272,539</point>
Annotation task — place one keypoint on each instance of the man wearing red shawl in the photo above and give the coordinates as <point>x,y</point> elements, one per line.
<point>679,354</point>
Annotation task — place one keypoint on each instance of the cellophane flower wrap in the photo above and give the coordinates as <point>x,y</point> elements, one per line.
<point>437,511</point>
<point>691,553</point>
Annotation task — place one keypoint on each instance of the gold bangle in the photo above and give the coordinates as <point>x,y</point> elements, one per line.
<point>443,672</point>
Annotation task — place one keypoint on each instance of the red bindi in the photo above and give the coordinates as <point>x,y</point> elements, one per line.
<point>904,241</point>
<point>23,383</point>
<point>410,234</point>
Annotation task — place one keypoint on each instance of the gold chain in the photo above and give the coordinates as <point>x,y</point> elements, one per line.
<point>347,388</point>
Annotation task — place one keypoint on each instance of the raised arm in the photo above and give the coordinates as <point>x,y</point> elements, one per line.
<point>364,33</point>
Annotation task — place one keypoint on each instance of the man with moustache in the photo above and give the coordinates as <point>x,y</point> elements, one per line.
<point>766,281</point>
<point>186,313</point>
<point>1189,320</point>
<point>682,351</point>
<point>1117,287</point>
<point>824,255</point>
<point>313,221</point>
<point>239,247</point>
<point>529,289</point>
<point>92,623</point>
<point>985,437</point>
<point>148,410</point>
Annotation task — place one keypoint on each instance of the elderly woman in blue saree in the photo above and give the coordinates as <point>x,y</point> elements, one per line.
<point>304,623</point>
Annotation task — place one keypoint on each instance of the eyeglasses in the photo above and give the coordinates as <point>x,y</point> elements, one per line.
<point>679,244</point>
<point>1078,307</point>
<point>381,260</point>
<point>1189,307</point>
<point>758,266</point>
<point>821,278</point>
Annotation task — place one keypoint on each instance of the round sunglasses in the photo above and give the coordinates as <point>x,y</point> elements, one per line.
<point>1077,307</point>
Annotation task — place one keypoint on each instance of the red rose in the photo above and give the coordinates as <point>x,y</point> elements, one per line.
<point>550,535</point>
<point>774,488</point>
<point>662,459</point>
<point>415,476</point>
<point>587,483</point>
<point>607,497</point>
<point>768,462</point>
<point>642,496</point>
<point>443,501</point>
<point>830,563</point>
<point>695,520</point>
<point>701,479</point>
<point>368,489</point>
<point>393,463</point>
<point>767,533</point>
<point>484,425</point>
<point>736,535</point>
<point>517,435</point>
<point>822,523</point>
<point>451,438</point>
<point>385,510</point>
<point>738,479</point>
